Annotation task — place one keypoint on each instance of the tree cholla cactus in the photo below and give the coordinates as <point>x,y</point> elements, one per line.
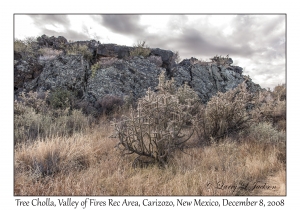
<point>158,126</point>
<point>271,106</point>
<point>228,112</point>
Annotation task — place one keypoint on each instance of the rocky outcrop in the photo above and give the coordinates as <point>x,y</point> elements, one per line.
<point>125,75</point>
<point>57,43</point>
<point>25,71</point>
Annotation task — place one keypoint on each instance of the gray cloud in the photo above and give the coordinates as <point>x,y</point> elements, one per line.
<point>68,34</point>
<point>40,20</point>
<point>122,24</point>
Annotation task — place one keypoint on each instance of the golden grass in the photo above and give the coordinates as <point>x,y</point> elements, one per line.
<point>89,164</point>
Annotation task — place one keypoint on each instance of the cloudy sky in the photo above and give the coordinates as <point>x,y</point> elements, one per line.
<point>256,43</point>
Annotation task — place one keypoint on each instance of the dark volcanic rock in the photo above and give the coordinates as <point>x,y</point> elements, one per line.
<point>57,43</point>
<point>113,50</point>
<point>166,56</point>
<point>207,80</point>
<point>66,71</point>
<point>25,72</point>
<point>123,75</point>
<point>123,78</point>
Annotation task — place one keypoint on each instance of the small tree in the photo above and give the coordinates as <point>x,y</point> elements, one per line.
<point>159,126</point>
<point>228,112</point>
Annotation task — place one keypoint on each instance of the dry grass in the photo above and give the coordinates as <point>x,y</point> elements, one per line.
<point>89,164</point>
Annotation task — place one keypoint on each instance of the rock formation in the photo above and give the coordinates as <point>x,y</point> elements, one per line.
<point>119,73</point>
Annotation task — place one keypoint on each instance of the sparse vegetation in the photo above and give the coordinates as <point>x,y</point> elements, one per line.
<point>220,60</point>
<point>48,53</point>
<point>77,49</point>
<point>109,103</point>
<point>140,49</point>
<point>94,68</point>
<point>176,57</point>
<point>159,126</point>
<point>61,98</point>
<point>102,63</point>
<point>26,47</point>
<point>56,146</point>
<point>35,119</point>
<point>228,112</point>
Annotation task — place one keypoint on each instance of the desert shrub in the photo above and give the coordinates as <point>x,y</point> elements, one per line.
<point>61,99</point>
<point>86,107</point>
<point>156,128</point>
<point>227,112</point>
<point>27,47</point>
<point>47,158</point>
<point>48,53</point>
<point>281,125</point>
<point>76,49</point>
<point>70,122</point>
<point>279,92</point>
<point>35,100</point>
<point>185,94</point>
<point>109,103</point>
<point>156,60</point>
<point>269,108</point>
<point>220,60</point>
<point>19,46</point>
<point>94,68</point>
<point>265,132</point>
<point>30,125</point>
<point>140,49</point>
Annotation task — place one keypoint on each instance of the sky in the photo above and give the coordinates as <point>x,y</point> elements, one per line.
<point>256,43</point>
<point>253,44</point>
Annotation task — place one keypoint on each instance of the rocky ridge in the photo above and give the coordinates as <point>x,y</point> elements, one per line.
<point>119,73</point>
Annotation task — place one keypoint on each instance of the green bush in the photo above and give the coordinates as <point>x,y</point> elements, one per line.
<point>140,49</point>
<point>94,68</point>
<point>265,132</point>
<point>61,99</point>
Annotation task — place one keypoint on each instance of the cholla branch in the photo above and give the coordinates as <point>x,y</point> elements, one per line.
<point>158,126</point>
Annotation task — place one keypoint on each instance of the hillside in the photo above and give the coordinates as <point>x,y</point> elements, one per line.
<point>93,70</point>
<point>103,119</point>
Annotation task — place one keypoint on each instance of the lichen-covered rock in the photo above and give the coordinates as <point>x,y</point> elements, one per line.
<point>119,74</point>
<point>123,78</point>
<point>69,72</point>
<point>207,80</point>
<point>25,72</point>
